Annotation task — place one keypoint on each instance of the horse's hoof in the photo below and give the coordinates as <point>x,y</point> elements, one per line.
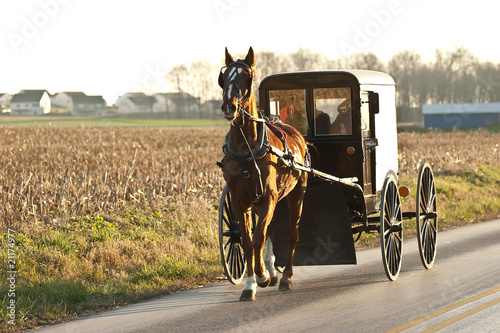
<point>285,285</point>
<point>274,281</point>
<point>247,295</point>
<point>265,283</point>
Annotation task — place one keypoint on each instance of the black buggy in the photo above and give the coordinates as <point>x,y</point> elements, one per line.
<point>349,120</point>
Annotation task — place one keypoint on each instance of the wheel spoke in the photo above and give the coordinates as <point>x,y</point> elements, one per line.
<point>395,204</point>
<point>398,237</point>
<point>431,203</point>
<point>241,261</point>
<point>229,256</point>
<point>387,227</point>
<point>227,217</point>
<point>397,212</point>
<point>423,202</point>
<point>234,260</point>
<point>395,256</point>
<point>423,227</point>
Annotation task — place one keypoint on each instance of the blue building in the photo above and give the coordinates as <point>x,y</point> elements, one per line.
<point>460,115</point>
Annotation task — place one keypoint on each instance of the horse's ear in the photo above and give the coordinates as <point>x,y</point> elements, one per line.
<point>250,58</point>
<point>229,58</point>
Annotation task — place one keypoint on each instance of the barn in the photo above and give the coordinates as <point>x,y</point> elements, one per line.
<point>460,115</point>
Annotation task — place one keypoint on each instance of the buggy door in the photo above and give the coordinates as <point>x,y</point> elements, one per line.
<point>369,143</point>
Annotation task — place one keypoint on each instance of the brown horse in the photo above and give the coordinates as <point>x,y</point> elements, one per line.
<point>257,175</point>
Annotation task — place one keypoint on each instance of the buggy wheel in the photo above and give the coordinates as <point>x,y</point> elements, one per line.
<point>231,251</point>
<point>391,228</point>
<point>426,216</point>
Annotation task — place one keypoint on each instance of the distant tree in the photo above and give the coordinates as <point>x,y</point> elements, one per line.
<point>198,79</point>
<point>365,60</point>
<point>423,87</point>
<point>453,74</point>
<point>403,67</point>
<point>307,60</point>
<point>269,63</point>
<point>179,77</point>
<point>202,80</point>
<point>488,82</point>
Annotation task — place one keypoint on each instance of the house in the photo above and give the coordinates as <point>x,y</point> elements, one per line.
<point>85,106</point>
<point>173,105</point>
<point>30,103</point>
<point>177,105</point>
<point>79,104</point>
<point>135,103</point>
<point>65,99</point>
<point>211,109</point>
<point>460,115</point>
<point>4,102</point>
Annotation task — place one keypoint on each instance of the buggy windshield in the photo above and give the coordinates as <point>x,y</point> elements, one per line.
<point>332,111</point>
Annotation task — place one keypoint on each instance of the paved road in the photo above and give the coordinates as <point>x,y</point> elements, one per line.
<point>461,293</point>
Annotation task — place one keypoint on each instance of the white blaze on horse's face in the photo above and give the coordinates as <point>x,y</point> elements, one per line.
<point>231,93</point>
<point>232,75</point>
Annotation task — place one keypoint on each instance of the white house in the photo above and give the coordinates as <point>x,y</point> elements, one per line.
<point>4,102</point>
<point>79,104</point>
<point>135,103</point>
<point>174,105</point>
<point>177,105</point>
<point>30,103</point>
<point>65,99</point>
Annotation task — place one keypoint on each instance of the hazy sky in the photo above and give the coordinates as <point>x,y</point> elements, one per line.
<point>107,48</point>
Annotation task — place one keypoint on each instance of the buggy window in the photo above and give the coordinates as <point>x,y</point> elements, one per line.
<point>290,107</point>
<point>332,111</point>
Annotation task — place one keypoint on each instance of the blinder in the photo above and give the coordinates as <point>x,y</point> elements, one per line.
<point>221,77</point>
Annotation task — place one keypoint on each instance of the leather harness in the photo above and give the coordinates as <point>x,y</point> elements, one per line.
<point>262,146</point>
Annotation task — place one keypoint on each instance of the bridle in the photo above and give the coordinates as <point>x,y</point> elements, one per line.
<point>233,81</point>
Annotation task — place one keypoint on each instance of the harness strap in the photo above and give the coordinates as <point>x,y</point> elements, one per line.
<point>259,151</point>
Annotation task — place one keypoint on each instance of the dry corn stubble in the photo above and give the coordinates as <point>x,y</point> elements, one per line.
<point>448,151</point>
<point>48,173</point>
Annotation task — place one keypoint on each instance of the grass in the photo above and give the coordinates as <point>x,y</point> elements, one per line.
<point>90,263</point>
<point>110,217</point>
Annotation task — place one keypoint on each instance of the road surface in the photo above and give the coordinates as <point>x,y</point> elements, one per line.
<point>461,293</point>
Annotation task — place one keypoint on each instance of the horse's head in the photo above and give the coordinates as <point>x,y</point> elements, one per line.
<point>236,80</point>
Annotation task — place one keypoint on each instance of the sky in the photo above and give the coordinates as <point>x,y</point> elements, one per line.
<point>108,47</point>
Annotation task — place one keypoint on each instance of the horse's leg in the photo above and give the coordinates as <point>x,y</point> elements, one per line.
<point>261,274</point>
<point>269,257</point>
<point>295,199</point>
<point>248,292</point>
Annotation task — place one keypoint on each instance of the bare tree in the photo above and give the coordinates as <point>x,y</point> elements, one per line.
<point>404,67</point>
<point>453,72</point>
<point>488,82</point>
<point>178,76</point>
<point>307,60</point>
<point>365,60</point>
